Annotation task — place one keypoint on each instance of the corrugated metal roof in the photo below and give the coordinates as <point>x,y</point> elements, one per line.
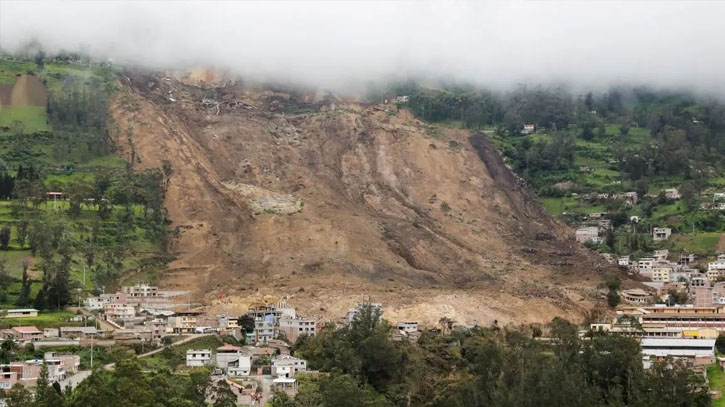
<point>664,342</point>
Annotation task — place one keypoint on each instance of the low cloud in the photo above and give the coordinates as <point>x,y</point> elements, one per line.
<point>336,44</point>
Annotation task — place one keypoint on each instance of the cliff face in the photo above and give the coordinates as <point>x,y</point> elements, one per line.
<point>323,201</point>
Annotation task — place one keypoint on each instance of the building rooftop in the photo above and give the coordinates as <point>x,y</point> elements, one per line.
<point>229,348</point>
<point>27,329</point>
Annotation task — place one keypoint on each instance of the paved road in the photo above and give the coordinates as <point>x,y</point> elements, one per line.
<point>81,375</point>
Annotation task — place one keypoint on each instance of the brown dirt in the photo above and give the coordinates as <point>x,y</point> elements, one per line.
<point>429,228</point>
<point>28,90</point>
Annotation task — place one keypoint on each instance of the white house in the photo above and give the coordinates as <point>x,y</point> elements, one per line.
<point>96,303</point>
<point>198,357</point>
<point>241,367</point>
<point>528,128</point>
<point>288,366</point>
<point>227,354</point>
<point>623,261</point>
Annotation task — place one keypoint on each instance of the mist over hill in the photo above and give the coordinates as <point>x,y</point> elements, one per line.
<point>348,44</point>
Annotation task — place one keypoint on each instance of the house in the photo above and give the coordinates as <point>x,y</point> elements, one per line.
<point>687,259</point>
<point>661,255</point>
<point>586,234</point>
<point>8,378</point>
<point>227,322</point>
<point>718,196</point>
<point>184,322</point>
<point>21,313</point>
<point>401,99</point>
<point>659,234</point>
<point>630,198</point>
<point>288,366</point>
<point>95,303</point>
<point>198,357</point>
<point>677,347</point>
<point>292,328</point>
<point>51,332</point>
<point>661,274</point>
<point>227,354</point>
<point>26,333</point>
<point>645,263</point>
<point>140,290</point>
<point>528,128</point>
<point>119,311</point>
<point>672,193</point>
<point>69,362</point>
<point>716,269</point>
<point>241,367</point>
<point>623,261</point>
<point>265,329</point>
<point>77,331</point>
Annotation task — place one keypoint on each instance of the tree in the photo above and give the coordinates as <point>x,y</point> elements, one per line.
<point>19,396</point>
<point>223,395</point>
<point>5,281</point>
<point>4,237</point>
<point>246,323</point>
<point>21,229</point>
<point>24,297</point>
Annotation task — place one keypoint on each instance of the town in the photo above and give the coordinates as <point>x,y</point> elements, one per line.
<point>253,355</point>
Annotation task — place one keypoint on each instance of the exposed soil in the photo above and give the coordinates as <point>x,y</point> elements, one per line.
<point>28,90</point>
<point>430,226</point>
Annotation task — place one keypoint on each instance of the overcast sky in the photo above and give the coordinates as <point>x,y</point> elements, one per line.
<point>332,44</point>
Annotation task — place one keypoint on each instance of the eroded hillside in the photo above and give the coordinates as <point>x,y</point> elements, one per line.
<point>324,201</point>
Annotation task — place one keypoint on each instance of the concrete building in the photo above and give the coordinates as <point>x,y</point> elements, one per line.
<point>288,366</point>
<point>623,261</point>
<point>635,295</point>
<point>241,367</point>
<point>95,303</point>
<point>26,333</point>
<point>198,357</point>
<point>659,234</point>
<point>140,290</point>
<point>21,313</point>
<point>677,347</point>
<point>716,269</point>
<point>586,234</point>
<point>77,331</point>
<point>292,328</point>
<point>227,322</point>
<point>184,322</point>
<point>119,311</point>
<point>227,354</point>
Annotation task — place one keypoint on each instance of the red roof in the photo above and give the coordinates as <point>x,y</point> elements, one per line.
<point>229,347</point>
<point>27,330</point>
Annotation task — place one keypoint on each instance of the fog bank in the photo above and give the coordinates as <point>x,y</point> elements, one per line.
<point>337,44</point>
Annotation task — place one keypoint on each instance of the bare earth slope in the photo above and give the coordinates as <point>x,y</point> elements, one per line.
<point>324,201</point>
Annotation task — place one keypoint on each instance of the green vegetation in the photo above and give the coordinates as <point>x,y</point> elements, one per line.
<point>486,367</point>
<point>109,220</point>
<point>716,377</point>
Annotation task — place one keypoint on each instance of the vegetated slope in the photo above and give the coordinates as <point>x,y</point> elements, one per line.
<point>277,194</point>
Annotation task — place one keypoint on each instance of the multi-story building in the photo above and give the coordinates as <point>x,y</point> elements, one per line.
<point>227,354</point>
<point>184,322</point>
<point>288,366</point>
<point>292,328</point>
<point>716,269</point>
<point>119,311</point>
<point>241,367</point>
<point>659,234</point>
<point>228,322</point>
<point>198,357</point>
<point>140,290</point>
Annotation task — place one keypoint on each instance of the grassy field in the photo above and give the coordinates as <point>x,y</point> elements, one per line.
<point>49,319</point>
<point>34,118</point>
<point>716,376</point>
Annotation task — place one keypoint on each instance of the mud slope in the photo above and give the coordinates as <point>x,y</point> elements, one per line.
<point>322,201</point>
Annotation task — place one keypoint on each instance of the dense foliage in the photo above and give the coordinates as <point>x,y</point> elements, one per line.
<point>487,367</point>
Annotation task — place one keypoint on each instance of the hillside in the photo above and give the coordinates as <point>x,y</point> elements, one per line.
<point>308,196</point>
